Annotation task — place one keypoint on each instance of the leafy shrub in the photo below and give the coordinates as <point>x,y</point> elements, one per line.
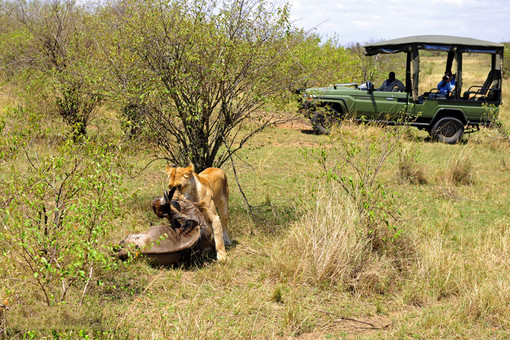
<point>53,61</point>
<point>12,132</point>
<point>132,119</point>
<point>354,160</point>
<point>55,216</point>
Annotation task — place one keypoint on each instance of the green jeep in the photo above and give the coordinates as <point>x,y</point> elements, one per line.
<point>443,116</point>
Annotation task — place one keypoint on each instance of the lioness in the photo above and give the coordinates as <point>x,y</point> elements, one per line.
<point>211,187</point>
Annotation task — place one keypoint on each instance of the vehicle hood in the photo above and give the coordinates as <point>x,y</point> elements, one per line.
<point>330,90</point>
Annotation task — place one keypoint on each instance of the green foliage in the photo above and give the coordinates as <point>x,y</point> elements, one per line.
<point>323,63</point>
<point>56,214</point>
<point>327,62</point>
<point>354,163</point>
<point>13,133</point>
<point>376,68</point>
<point>199,69</point>
<point>52,56</point>
<point>132,120</point>
<point>492,114</point>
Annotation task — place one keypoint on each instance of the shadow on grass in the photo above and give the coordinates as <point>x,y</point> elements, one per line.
<point>268,218</point>
<point>428,139</point>
<point>308,132</point>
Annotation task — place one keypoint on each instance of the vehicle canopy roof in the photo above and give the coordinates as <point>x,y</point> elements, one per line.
<point>444,43</point>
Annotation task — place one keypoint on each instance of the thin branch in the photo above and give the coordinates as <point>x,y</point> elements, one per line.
<point>86,284</point>
<point>340,318</point>
<point>146,166</point>
<point>251,210</point>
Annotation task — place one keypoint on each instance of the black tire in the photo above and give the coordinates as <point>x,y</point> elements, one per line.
<point>322,121</point>
<point>448,130</point>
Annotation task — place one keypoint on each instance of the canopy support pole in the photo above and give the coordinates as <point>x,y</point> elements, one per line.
<point>415,71</point>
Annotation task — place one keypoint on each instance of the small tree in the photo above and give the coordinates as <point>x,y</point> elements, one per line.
<point>354,162</point>
<point>55,216</point>
<point>201,70</point>
<point>55,60</point>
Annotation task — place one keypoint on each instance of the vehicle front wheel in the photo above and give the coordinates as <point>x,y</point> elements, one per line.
<point>448,130</point>
<point>322,121</point>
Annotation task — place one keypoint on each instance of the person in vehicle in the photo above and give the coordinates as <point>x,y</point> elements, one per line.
<point>447,84</point>
<point>391,83</point>
<point>451,77</point>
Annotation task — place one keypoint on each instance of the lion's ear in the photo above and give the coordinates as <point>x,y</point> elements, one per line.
<point>170,169</point>
<point>191,167</point>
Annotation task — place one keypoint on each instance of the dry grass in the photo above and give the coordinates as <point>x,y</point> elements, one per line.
<point>325,244</point>
<point>409,170</point>
<point>304,269</point>
<point>330,245</point>
<point>457,171</point>
<point>474,283</point>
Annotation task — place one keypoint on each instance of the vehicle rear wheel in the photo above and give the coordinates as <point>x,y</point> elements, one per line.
<point>448,130</point>
<point>323,120</point>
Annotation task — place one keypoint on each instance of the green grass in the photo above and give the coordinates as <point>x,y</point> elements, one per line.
<point>456,282</point>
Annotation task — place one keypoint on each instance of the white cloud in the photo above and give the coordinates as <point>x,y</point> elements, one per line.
<point>368,20</point>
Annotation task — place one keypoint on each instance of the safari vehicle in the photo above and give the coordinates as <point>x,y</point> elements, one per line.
<point>446,118</point>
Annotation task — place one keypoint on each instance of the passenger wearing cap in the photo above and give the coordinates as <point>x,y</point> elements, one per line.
<point>447,84</point>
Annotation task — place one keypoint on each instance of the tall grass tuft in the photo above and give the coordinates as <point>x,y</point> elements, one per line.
<point>409,171</point>
<point>330,245</point>
<point>458,170</point>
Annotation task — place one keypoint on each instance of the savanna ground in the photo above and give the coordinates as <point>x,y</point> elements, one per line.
<point>301,267</point>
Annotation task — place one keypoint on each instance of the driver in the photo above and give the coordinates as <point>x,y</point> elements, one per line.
<point>389,84</point>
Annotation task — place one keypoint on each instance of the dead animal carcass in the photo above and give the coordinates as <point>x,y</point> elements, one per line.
<point>187,238</point>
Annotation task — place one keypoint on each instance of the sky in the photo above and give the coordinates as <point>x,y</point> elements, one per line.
<point>365,21</point>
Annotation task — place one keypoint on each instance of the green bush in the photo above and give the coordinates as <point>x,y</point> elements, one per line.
<point>353,160</point>
<point>55,215</point>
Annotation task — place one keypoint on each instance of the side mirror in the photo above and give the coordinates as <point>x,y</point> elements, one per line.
<point>370,87</point>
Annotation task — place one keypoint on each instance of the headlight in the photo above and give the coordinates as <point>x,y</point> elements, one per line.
<point>307,96</point>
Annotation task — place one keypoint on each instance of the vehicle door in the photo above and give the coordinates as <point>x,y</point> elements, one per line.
<point>380,105</point>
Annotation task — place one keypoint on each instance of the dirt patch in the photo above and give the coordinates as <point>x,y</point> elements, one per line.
<point>285,120</point>
<point>296,124</point>
<point>6,99</point>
